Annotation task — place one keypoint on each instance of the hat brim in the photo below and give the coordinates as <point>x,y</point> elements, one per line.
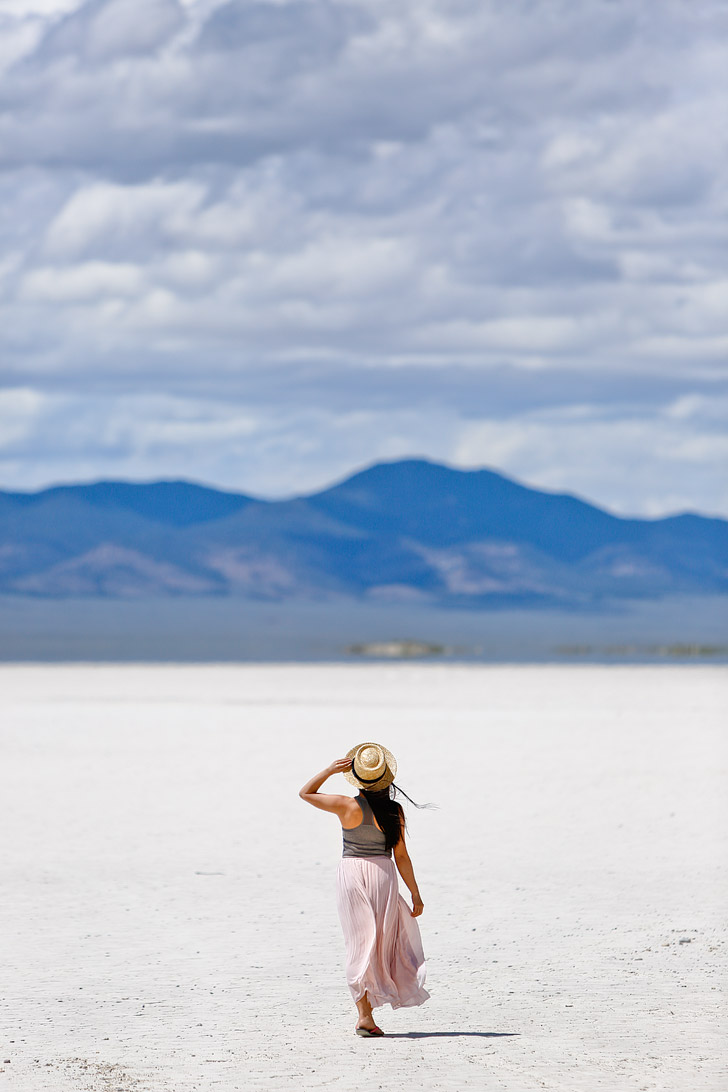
<point>387,777</point>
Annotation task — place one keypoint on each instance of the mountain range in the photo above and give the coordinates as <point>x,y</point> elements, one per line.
<point>407,530</point>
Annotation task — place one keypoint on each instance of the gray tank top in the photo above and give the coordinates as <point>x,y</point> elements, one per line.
<point>366,840</point>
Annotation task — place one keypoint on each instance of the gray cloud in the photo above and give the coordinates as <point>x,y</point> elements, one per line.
<point>328,231</point>
<point>105,30</point>
<point>308,34</point>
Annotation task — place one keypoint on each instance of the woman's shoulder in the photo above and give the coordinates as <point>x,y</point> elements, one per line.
<point>353,813</point>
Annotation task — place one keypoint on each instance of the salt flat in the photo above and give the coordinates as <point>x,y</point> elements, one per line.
<point>168,918</point>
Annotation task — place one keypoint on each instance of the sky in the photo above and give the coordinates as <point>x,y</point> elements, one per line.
<point>261,245</point>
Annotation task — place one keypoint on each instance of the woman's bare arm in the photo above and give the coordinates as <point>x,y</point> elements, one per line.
<point>407,872</point>
<point>340,805</point>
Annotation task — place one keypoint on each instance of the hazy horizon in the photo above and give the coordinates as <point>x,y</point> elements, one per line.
<point>208,629</point>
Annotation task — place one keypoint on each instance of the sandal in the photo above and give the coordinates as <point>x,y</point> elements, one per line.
<point>370,1033</point>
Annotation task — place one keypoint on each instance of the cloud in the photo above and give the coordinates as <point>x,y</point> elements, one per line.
<point>101,218</point>
<point>89,280</point>
<point>428,220</point>
<point>310,33</point>
<point>103,30</point>
<point>646,465</point>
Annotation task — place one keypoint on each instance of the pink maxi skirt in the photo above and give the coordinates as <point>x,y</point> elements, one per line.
<point>384,956</point>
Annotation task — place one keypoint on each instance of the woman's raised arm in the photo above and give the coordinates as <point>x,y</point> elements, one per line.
<point>341,805</point>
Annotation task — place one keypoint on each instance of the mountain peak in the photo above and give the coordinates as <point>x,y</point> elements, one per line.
<point>407,527</point>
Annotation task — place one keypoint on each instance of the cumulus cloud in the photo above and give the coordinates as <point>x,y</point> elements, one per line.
<point>395,209</point>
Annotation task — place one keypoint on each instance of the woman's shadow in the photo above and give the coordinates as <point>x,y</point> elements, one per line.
<point>450,1034</point>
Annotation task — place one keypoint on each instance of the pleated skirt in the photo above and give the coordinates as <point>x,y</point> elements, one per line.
<point>384,956</point>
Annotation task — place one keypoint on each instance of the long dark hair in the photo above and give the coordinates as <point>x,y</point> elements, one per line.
<point>388,813</point>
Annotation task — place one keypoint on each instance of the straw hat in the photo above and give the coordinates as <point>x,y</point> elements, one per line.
<point>373,767</point>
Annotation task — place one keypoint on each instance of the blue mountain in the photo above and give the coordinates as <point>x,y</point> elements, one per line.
<point>408,530</point>
<point>178,503</point>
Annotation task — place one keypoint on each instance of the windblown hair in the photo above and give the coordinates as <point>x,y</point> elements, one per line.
<point>388,813</point>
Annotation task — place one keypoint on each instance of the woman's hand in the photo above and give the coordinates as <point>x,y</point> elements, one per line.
<point>417,906</point>
<point>340,765</point>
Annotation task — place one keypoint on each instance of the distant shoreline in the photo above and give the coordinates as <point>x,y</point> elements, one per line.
<point>214,630</point>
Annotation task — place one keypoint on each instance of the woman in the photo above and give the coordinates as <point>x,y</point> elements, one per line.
<point>384,957</point>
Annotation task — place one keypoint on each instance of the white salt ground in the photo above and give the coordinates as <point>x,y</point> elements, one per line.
<point>168,920</point>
